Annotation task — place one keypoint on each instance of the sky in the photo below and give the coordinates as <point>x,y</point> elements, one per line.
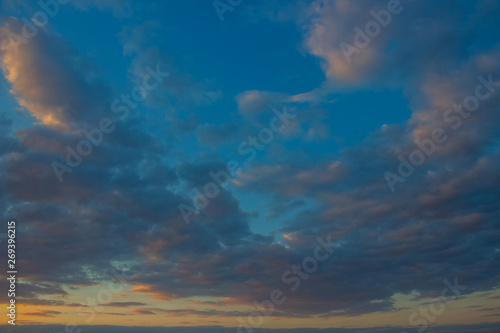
<point>251,166</point>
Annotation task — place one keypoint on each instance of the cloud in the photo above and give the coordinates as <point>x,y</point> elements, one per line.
<point>142,311</point>
<point>122,304</point>
<point>254,102</point>
<point>414,39</point>
<point>43,313</point>
<point>180,90</point>
<point>50,79</point>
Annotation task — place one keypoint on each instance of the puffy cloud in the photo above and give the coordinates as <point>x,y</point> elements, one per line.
<point>415,39</point>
